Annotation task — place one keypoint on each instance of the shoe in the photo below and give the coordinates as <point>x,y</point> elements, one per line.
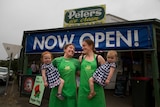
<point>91,95</point>
<point>60,97</point>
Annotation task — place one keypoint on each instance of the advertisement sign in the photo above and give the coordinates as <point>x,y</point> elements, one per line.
<point>37,92</point>
<point>124,38</point>
<point>85,16</point>
<point>27,82</point>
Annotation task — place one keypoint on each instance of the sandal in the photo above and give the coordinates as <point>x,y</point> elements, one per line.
<point>91,95</point>
<point>60,97</point>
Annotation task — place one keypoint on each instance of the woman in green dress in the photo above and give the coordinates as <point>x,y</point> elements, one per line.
<point>67,67</point>
<point>88,66</point>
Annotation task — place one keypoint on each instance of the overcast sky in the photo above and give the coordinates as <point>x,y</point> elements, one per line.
<point>17,16</point>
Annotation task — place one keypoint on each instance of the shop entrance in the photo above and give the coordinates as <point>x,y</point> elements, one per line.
<point>133,79</point>
<point>121,89</point>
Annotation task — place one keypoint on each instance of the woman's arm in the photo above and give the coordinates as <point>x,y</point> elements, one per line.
<point>100,60</point>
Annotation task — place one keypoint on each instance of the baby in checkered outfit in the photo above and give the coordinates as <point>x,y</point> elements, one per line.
<point>103,73</point>
<point>50,74</point>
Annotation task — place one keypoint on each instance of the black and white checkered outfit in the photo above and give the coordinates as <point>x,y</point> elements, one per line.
<point>52,75</point>
<point>101,73</point>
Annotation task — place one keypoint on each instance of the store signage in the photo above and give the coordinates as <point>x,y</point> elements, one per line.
<point>135,37</point>
<point>85,16</point>
<point>27,82</point>
<point>37,92</point>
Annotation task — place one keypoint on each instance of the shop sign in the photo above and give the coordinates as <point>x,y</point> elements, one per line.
<point>85,16</point>
<point>37,92</point>
<point>131,37</point>
<point>27,82</point>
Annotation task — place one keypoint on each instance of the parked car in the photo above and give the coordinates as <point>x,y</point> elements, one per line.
<point>3,74</point>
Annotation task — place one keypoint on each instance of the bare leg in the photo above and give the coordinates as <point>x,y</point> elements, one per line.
<point>60,87</point>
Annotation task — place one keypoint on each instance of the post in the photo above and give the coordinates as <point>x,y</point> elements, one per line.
<point>5,93</point>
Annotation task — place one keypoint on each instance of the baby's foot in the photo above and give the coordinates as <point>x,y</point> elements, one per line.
<point>60,97</point>
<point>91,95</point>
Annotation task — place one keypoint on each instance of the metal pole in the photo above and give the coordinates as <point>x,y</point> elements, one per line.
<point>155,69</point>
<point>5,93</point>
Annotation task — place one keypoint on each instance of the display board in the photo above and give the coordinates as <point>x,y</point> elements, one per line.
<point>26,85</point>
<point>120,87</point>
<point>37,92</point>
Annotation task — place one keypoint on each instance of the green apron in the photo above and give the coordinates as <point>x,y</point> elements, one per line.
<point>87,69</point>
<point>67,69</point>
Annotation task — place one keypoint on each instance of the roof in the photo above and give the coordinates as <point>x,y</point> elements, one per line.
<point>110,18</point>
<point>146,21</point>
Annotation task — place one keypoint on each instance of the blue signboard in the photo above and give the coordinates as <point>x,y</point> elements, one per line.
<point>118,38</point>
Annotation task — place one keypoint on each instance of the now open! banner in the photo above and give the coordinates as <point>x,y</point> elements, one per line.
<point>128,37</point>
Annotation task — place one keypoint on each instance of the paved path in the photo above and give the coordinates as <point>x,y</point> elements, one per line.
<point>2,88</point>
<point>13,99</point>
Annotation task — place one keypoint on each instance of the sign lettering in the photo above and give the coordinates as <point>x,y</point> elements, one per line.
<point>85,16</point>
<point>119,38</point>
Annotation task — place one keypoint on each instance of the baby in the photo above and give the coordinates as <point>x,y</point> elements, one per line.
<point>103,73</point>
<point>50,74</point>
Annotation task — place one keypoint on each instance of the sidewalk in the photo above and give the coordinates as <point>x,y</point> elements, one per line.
<point>13,99</point>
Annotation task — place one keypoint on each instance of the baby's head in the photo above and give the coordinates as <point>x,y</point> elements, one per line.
<point>46,57</point>
<point>112,56</point>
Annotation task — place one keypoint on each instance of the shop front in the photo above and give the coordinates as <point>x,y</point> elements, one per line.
<point>137,44</point>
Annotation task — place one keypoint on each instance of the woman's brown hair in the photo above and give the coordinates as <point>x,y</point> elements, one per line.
<point>66,46</point>
<point>90,43</point>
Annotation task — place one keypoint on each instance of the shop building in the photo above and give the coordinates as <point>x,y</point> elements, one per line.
<point>137,43</point>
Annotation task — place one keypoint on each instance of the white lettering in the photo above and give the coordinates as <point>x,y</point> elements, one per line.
<point>136,43</point>
<point>109,39</point>
<point>99,37</point>
<point>101,40</point>
<point>51,41</point>
<point>85,35</point>
<point>84,13</point>
<point>120,36</point>
<point>37,42</point>
<point>65,40</point>
<point>71,14</point>
<point>51,46</point>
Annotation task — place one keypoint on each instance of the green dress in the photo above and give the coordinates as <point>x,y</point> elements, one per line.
<point>67,69</point>
<point>87,69</point>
